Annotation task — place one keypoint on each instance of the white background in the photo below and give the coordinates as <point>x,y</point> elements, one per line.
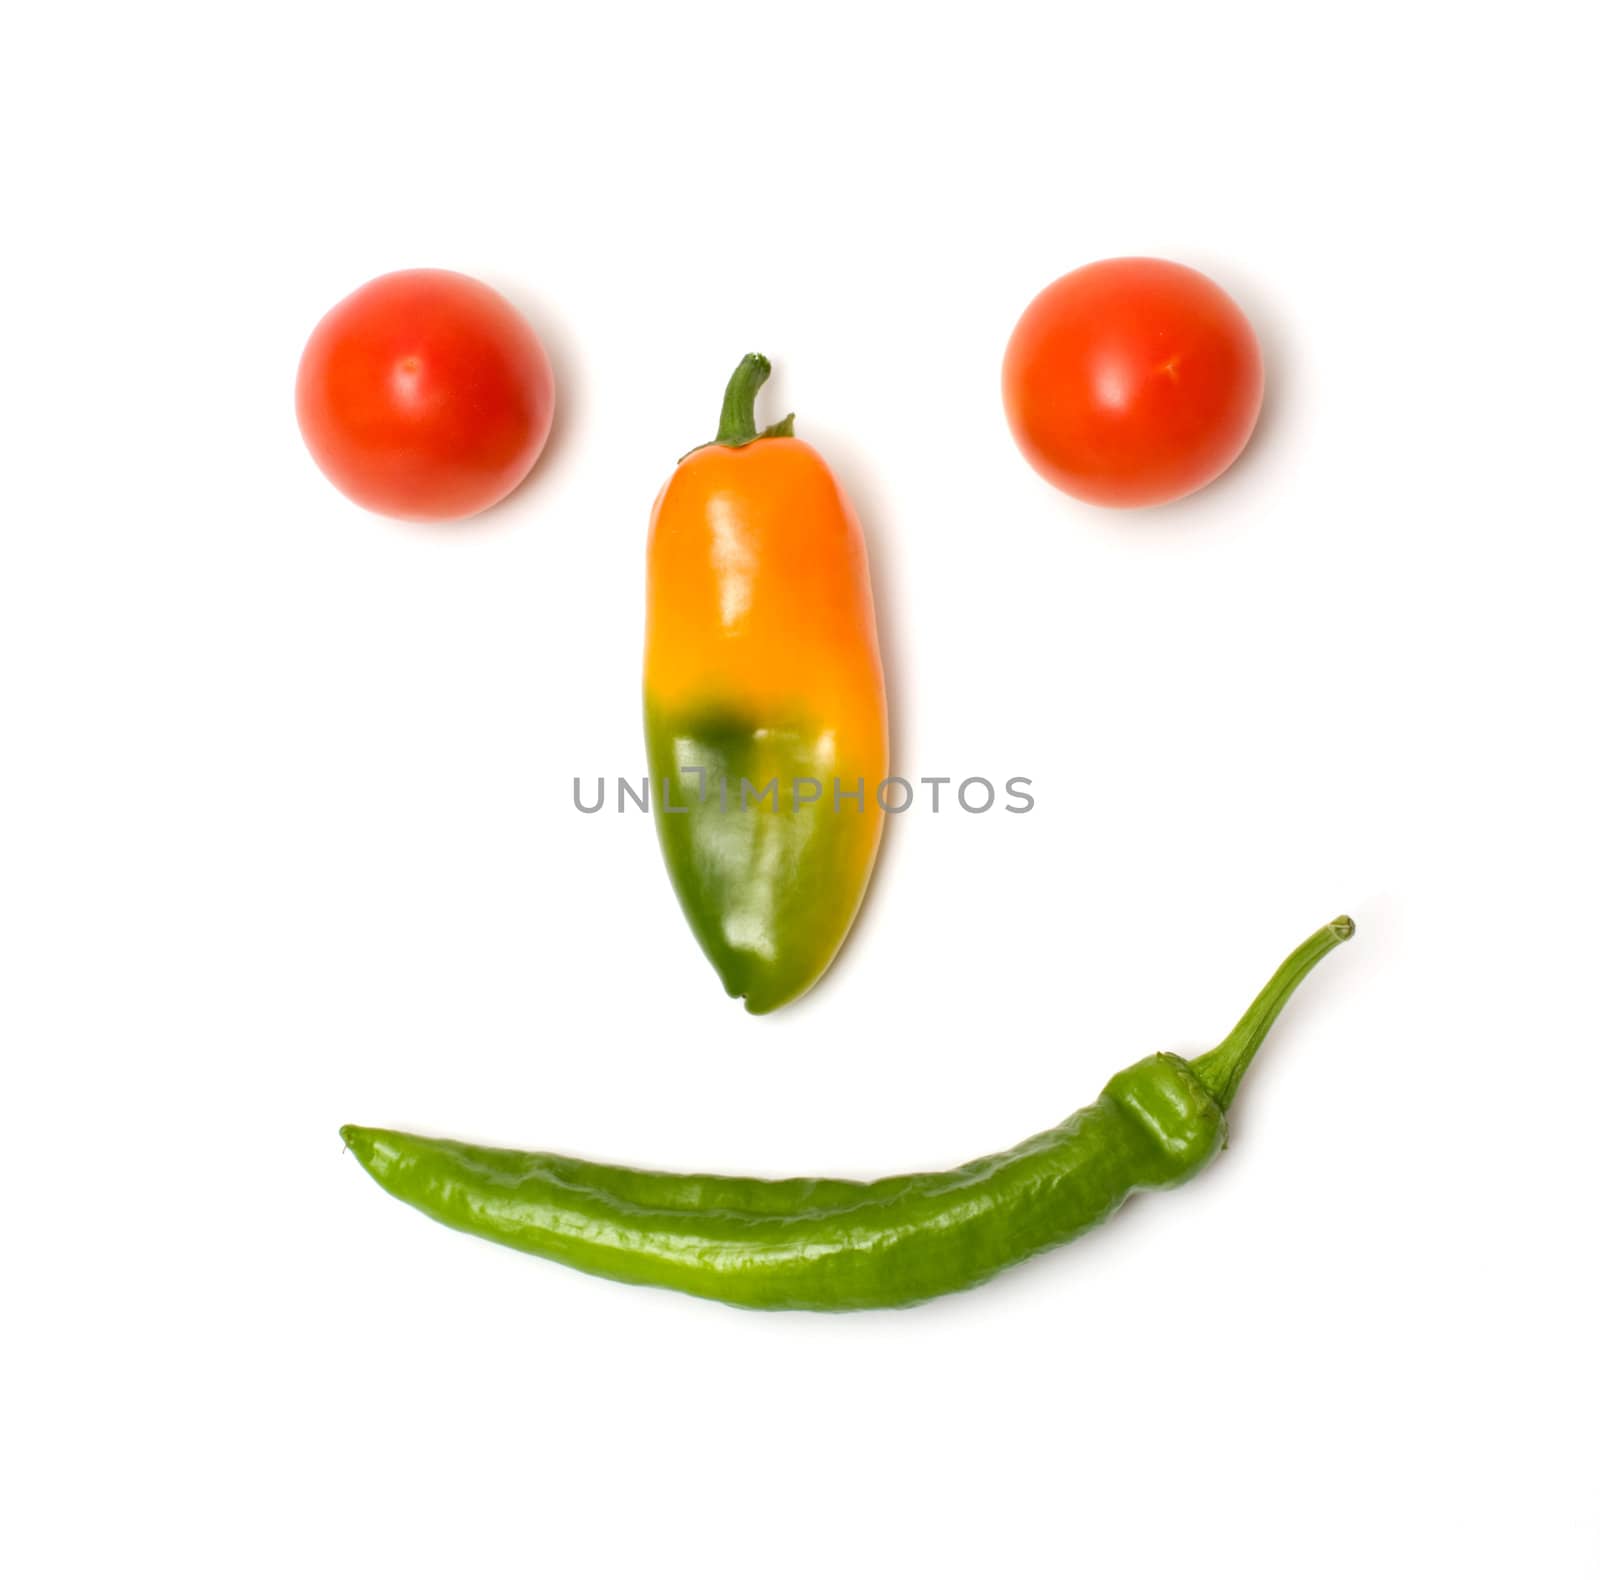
<point>288,836</point>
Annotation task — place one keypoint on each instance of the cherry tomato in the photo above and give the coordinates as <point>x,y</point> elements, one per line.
<point>424,395</point>
<point>1132,382</point>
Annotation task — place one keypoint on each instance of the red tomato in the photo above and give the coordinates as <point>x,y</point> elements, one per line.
<point>1132,382</point>
<point>424,395</point>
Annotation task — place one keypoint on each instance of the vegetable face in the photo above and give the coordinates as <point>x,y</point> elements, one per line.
<point>424,395</point>
<point>765,719</point>
<point>1132,382</point>
<point>843,1245</point>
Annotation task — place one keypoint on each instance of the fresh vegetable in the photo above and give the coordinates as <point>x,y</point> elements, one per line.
<point>424,395</point>
<point>765,720</point>
<point>841,1245</point>
<point>1132,382</point>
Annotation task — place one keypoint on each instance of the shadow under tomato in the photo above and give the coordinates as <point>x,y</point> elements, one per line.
<point>1277,395</point>
<point>566,418</point>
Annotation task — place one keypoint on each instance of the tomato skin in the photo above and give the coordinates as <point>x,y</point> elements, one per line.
<point>424,395</point>
<point>1132,381</point>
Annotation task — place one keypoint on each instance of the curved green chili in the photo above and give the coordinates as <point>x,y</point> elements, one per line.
<point>843,1245</point>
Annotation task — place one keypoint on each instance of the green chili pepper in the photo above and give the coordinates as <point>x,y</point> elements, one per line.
<point>845,1245</point>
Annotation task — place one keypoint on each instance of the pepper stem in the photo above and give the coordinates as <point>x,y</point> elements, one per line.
<point>1222,1069</point>
<point>738,424</point>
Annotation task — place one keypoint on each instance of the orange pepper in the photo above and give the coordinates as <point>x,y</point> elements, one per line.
<point>765,717</point>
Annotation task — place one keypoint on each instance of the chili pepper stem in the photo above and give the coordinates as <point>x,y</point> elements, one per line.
<point>1222,1069</point>
<point>738,424</point>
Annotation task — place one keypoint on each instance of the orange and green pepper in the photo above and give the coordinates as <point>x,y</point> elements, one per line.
<point>765,719</point>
